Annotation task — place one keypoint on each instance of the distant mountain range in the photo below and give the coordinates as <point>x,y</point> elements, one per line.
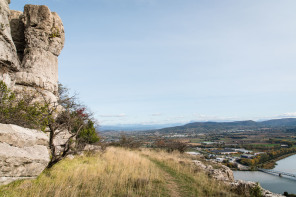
<point>238,125</point>
<point>204,126</point>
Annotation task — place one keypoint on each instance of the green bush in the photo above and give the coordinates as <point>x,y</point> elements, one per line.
<point>256,191</point>
<point>88,135</point>
<point>21,110</point>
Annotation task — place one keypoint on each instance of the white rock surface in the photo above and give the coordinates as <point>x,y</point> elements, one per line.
<point>8,54</point>
<point>60,139</point>
<point>222,174</point>
<point>23,153</point>
<point>30,43</point>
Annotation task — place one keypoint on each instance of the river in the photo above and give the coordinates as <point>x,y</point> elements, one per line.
<point>270,182</point>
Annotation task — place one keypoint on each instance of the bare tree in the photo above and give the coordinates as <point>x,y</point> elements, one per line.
<point>64,115</point>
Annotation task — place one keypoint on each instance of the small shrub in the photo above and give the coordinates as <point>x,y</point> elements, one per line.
<point>88,135</point>
<point>256,191</point>
<point>21,110</point>
<point>55,32</point>
<point>171,145</point>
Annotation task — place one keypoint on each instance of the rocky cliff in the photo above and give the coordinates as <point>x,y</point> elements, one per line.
<point>31,42</point>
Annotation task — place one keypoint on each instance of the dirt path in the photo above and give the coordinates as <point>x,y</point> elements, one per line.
<point>171,185</point>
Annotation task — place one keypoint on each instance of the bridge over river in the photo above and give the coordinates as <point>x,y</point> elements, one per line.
<point>279,173</point>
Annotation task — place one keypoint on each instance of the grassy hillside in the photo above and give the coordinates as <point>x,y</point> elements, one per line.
<point>121,172</point>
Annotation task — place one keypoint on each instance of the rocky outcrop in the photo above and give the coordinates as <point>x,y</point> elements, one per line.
<point>31,42</point>
<point>225,174</point>
<point>23,153</point>
<point>249,187</point>
<point>60,140</point>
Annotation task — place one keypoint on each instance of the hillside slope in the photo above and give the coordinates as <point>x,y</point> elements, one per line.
<point>120,172</point>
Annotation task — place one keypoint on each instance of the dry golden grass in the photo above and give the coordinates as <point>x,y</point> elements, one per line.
<point>117,172</point>
<point>193,182</point>
<point>123,173</point>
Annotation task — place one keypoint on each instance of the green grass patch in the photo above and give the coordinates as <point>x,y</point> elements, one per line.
<point>183,181</point>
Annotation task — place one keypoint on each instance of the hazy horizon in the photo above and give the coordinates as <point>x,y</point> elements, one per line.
<point>162,62</point>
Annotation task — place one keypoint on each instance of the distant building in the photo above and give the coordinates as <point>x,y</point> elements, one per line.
<point>242,150</point>
<point>224,152</point>
<point>259,153</point>
<point>247,156</point>
<point>208,143</point>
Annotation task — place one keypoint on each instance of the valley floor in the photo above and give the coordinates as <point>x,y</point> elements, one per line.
<point>123,173</point>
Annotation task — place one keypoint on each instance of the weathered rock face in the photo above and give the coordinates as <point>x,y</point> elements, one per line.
<point>23,153</point>
<point>31,42</point>
<point>60,140</point>
<point>222,174</point>
<point>8,55</point>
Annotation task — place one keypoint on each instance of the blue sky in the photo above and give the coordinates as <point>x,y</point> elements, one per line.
<point>165,61</point>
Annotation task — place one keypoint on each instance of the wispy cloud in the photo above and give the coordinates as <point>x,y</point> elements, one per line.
<point>156,114</point>
<point>113,115</point>
<point>288,115</point>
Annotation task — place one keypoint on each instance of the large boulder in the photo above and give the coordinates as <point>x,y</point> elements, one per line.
<point>23,153</point>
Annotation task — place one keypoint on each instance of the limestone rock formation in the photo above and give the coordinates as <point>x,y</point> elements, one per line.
<point>60,139</point>
<point>23,153</point>
<point>31,42</point>
<point>222,174</point>
<point>8,55</point>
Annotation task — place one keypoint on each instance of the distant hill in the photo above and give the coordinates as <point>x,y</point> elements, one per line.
<point>286,122</point>
<point>223,126</point>
<point>134,127</point>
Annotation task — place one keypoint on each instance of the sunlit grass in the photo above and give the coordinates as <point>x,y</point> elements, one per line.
<point>192,181</point>
<point>117,172</point>
<point>123,173</point>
